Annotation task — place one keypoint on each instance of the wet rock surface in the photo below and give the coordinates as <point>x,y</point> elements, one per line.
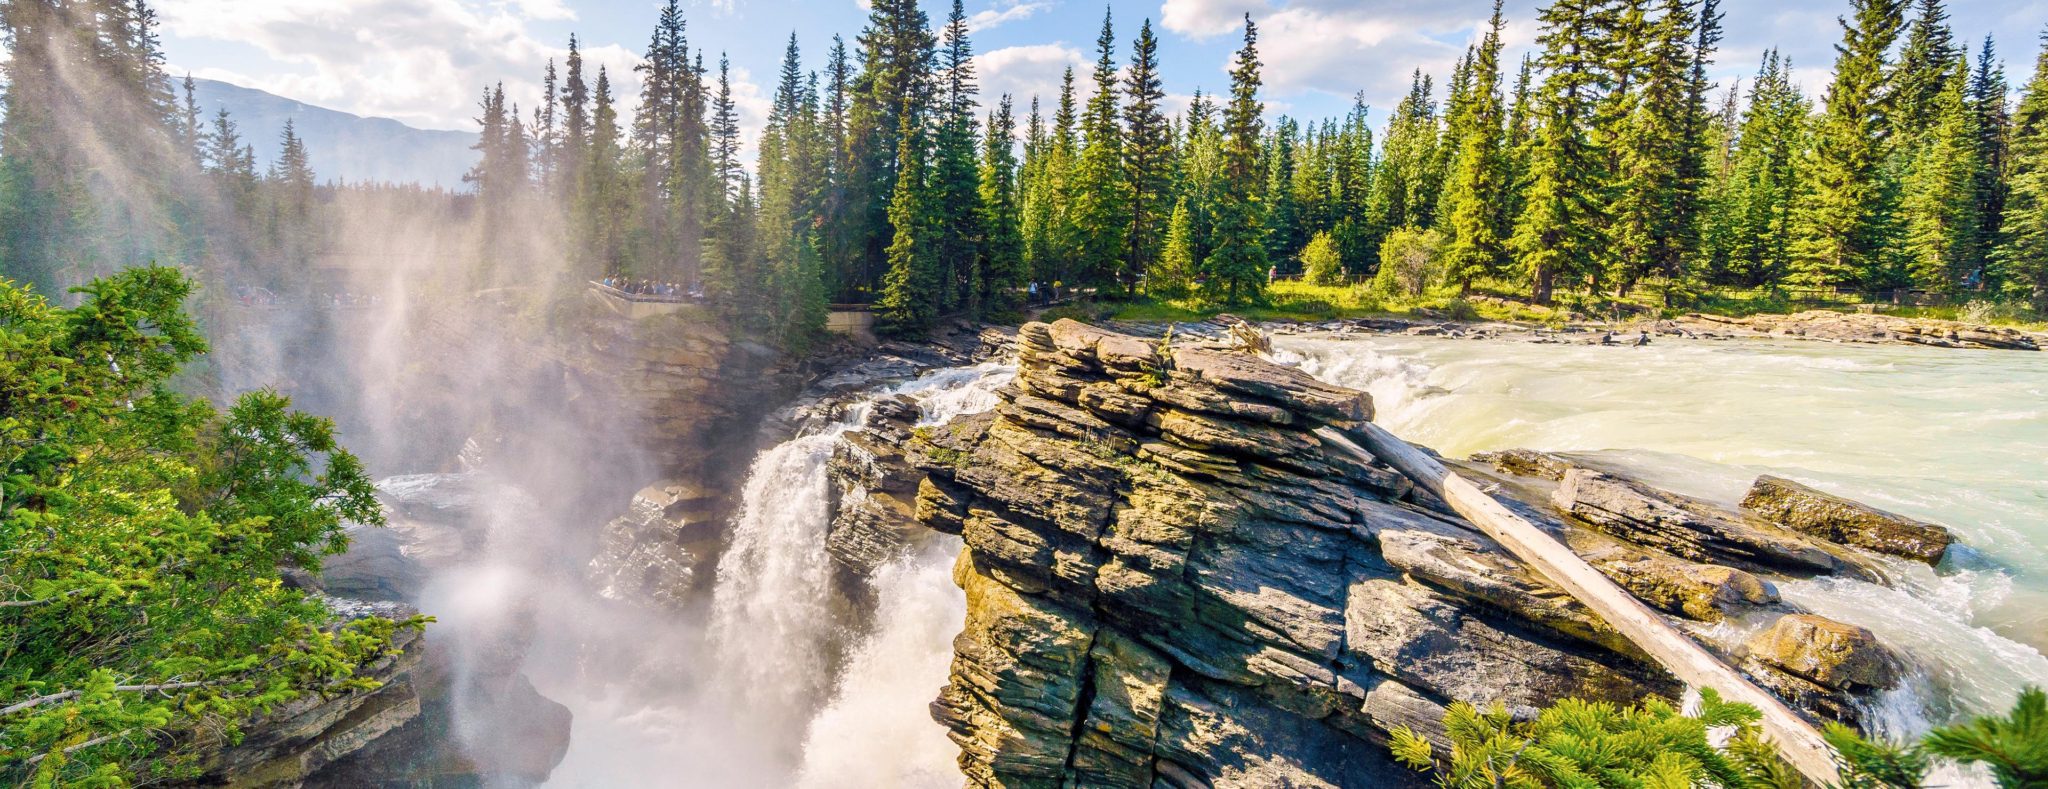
<point>1840,520</point>
<point>1172,580</point>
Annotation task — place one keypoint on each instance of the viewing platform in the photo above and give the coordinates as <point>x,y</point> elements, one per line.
<point>637,305</point>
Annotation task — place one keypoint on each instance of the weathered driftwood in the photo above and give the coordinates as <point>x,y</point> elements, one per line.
<point>1797,739</point>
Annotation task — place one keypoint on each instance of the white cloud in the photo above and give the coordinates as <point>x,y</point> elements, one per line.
<point>1026,71</point>
<point>422,62</point>
<point>1340,48</point>
<point>543,9</point>
<point>1005,11</point>
<point>1205,19</point>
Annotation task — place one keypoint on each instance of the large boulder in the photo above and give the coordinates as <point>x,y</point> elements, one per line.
<point>1836,519</point>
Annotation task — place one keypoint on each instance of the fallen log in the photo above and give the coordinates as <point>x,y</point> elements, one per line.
<point>1797,740</point>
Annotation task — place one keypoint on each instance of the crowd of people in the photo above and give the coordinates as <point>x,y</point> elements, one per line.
<point>654,288</point>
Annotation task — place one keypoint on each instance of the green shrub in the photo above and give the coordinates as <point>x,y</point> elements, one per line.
<point>1410,261</point>
<point>1320,262</point>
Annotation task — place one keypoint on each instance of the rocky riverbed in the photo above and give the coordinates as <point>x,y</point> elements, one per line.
<point>1815,325</point>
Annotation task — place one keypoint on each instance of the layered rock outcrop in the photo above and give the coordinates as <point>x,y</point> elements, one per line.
<point>1173,581</point>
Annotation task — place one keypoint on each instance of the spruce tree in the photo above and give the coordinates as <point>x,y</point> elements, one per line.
<point>1002,243</point>
<point>1927,63</point>
<point>910,298</point>
<point>1402,193</point>
<point>1988,103</point>
<point>1284,234</point>
<point>725,135</point>
<point>842,238</point>
<point>1101,194</point>
<point>1179,261</point>
<point>956,188</point>
<point>1650,231</point>
<point>1845,229</point>
<point>1558,231</point>
<point>2020,265</point>
<point>575,142</point>
<point>1148,155</point>
<point>1939,205</point>
<point>1764,178</point>
<point>895,82</point>
<point>1236,269</point>
<point>791,174</point>
<point>603,209</point>
<point>1478,187</point>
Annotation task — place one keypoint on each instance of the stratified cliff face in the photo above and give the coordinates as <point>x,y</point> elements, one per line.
<point>1172,581</point>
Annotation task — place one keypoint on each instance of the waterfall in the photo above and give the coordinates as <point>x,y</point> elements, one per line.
<point>887,687</point>
<point>776,629</point>
<point>771,621</point>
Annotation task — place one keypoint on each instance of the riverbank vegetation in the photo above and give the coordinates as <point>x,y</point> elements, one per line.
<point>1584,744</point>
<point>143,617</point>
<point>1606,169</point>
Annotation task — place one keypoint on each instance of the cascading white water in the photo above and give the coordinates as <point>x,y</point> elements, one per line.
<point>1956,437</point>
<point>774,627</point>
<point>887,686</point>
<point>771,621</point>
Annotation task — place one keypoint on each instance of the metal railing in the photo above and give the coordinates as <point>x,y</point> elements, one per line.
<point>682,296</point>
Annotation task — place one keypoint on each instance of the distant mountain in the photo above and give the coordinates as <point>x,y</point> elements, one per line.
<point>344,147</point>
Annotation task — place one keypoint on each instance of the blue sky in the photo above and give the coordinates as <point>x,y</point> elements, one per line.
<point>424,61</point>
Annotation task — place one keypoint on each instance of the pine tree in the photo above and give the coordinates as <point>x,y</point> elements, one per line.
<point>1478,188</point>
<point>1764,178</point>
<point>895,82</point>
<point>1179,262</point>
<point>956,188</point>
<point>1929,60</point>
<point>1845,229</point>
<point>1101,194</point>
<point>1002,243</point>
<point>2020,266</point>
<point>1988,103</point>
<point>1236,269</point>
<point>1650,231</point>
<point>575,142</point>
<point>1939,203</point>
<point>910,295</point>
<point>1148,155</point>
<point>1558,231</point>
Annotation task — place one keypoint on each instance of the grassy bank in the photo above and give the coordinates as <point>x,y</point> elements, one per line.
<point>1301,301</point>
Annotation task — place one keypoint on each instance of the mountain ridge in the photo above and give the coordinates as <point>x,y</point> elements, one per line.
<point>344,147</point>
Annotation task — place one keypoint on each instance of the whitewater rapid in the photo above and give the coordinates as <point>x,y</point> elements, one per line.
<point>1955,437</point>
